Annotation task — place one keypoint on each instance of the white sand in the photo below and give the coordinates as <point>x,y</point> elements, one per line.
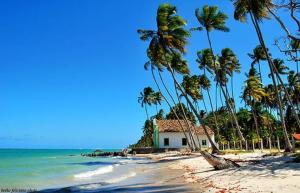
<point>271,174</point>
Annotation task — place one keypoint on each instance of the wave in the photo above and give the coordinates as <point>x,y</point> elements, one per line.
<point>99,171</point>
<point>115,180</point>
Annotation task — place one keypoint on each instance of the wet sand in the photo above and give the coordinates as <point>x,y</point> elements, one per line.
<point>152,176</point>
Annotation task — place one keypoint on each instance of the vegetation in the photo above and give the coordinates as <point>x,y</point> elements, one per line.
<point>271,112</point>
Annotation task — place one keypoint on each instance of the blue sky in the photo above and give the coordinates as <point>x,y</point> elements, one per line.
<point>71,71</point>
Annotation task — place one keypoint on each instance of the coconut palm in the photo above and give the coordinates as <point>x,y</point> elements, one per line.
<point>146,98</point>
<point>253,94</point>
<point>259,10</point>
<point>227,65</point>
<point>212,19</point>
<point>257,56</point>
<point>295,45</point>
<point>205,84</point>
<point>167,42</point>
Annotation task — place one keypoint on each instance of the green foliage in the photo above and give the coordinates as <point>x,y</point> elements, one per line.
<point>190,116</point>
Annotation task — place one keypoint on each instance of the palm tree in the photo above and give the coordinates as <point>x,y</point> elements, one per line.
<point>257,56</point>
<point>157,99</point>
<point>205,84</point>
<point>167,42</point>
<point>146,98</point>
<point>259,10</point>
<point>283,70</point>
<point>253,94</point>
<point>227,65</point>
<point>211,19</point>
<point>295,45</point>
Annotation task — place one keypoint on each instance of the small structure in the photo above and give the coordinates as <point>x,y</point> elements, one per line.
<point>296,137</point>
<point>169,134</point>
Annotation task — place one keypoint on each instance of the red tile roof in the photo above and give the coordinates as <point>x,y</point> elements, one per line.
<point>174,126</point>
<point>296,136</point>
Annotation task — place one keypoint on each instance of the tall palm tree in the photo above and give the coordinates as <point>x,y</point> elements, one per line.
<point>157,66</point>
<point>227,65</point>
<point>259,10</point>
<point>253,93</point>
<point>146,98</point>
<point>295,45</point>
<point>167,42</point>
<point>206,85</point>
<point>257,56</point>
<point>211,19</point>
<point>283,70</point>
<point>157,99</point>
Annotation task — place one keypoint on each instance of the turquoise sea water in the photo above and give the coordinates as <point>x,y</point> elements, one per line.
<point>48,168</point>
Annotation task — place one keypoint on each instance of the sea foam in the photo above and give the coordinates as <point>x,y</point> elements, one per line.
<point>115,180</point>
<point>99,171</point>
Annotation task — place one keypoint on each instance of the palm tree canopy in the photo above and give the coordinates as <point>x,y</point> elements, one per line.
<point>258,54</point>
<point>146,97</point>
<point>204,82</point>
<point>253,90</point>
<point>295,44</point>
<point>192,87</point>
<point>258,8</point>
<point>205,59</point>
<point>210,18</point>
<point>229,62</point>
<point>168,39</point>
<point>279,65</point>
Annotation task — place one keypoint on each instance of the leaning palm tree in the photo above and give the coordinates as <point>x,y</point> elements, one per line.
<point>146,98</point>
<point>167,42</point>
<point>211,19</point>
<point>206,85</point>
<point>259,10</point>
<point>227,65</point>
<point>157,99</point>
<point>295,45</point>
<point>253,94</point>
<point>257,56</point>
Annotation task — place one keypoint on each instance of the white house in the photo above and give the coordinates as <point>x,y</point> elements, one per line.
<point>169,134</point>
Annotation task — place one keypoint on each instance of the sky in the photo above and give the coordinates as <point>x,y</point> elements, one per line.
<point>71,70</point>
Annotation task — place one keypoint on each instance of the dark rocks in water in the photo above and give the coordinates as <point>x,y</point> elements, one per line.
<point>99,153</point>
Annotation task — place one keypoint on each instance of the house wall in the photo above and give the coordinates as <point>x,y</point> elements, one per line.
<point>175,140</point>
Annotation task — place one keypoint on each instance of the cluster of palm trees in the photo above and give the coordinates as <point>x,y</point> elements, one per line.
<point>275,106</point>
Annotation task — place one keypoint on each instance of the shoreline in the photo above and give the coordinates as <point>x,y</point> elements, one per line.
<point>150,176</point>
<point>175,172</point>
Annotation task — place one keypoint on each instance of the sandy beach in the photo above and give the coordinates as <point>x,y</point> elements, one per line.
<point>260,173</point>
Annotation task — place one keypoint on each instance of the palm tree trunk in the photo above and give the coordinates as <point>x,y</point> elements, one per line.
<point>226,97</point>
<point>185,118</point>
<point>259,68</point>
<point>146,112</point>
<point>158,87</point>
<point>288,97</point>
<point>288,146</point>
<point>213,112</point>
<point>217,162</point>
<point>240,134</point>
<point>214,147</point>
<point>255,121</point>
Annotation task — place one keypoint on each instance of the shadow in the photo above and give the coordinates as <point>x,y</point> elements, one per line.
<point>143,187</point>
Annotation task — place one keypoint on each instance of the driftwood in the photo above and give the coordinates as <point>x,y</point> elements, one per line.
<point>218,163</point>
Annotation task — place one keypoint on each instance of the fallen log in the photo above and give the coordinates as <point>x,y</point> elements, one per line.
<point>218,163</point>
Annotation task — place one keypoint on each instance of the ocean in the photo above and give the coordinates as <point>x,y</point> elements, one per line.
<point>42,169</point>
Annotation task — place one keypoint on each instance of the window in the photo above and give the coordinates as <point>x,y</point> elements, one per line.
<point>204,143</point>
<point>166,141</point>
<point>184,142</point>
